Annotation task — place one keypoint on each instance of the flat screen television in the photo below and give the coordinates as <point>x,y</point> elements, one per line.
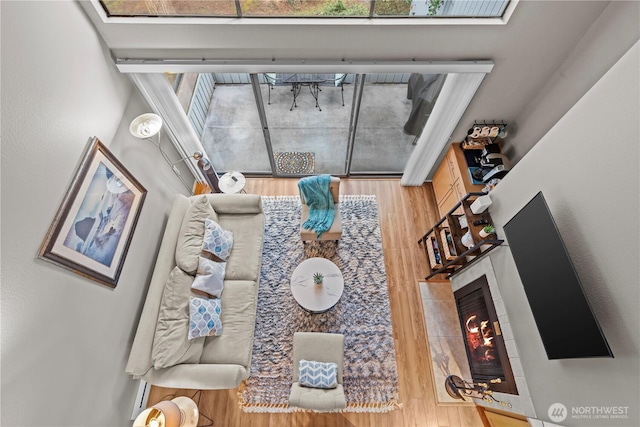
<point>560,308</point>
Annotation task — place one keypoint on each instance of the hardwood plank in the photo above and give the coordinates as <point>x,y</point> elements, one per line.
<point>405,213</point>
<point>469,416</point>
<point>454,416</point>
<point>443,416</point>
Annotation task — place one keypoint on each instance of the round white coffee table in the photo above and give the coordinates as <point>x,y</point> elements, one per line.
<point>232,182</point>
<point>317,298</point>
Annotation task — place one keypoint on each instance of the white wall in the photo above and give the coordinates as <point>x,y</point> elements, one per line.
<point>587,167</point>
<point>65,339</point>
<point>610,36</point>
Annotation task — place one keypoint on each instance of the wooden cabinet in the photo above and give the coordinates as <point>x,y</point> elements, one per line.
<point>496,418</point>
<point>451,180</point>
<point>443,243</point>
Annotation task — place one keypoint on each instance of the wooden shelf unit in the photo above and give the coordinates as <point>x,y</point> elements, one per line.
<point>460,256</point>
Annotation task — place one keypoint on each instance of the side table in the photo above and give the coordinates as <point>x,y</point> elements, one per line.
<point>317,298</point>
<point>232,183</point>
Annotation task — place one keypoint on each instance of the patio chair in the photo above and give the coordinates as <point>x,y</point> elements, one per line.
<point>318,347</point>
<point>339,82</point>
<point>271,80</point>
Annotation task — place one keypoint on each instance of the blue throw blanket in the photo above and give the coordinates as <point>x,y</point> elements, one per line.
<point>317,196</point>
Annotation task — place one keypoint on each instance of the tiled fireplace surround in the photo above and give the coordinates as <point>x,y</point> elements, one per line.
<point>521,403</point>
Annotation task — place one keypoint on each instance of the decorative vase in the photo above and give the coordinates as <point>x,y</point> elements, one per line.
<point>317,279</point>
<point>467,240</point>
<point>485,233</point>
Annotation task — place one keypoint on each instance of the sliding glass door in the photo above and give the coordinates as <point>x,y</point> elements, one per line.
<point>233,137</point>
<point>392,114</point>
<point>308,122</point>
<point>288,124</point>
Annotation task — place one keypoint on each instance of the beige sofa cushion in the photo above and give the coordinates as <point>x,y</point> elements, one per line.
<point>235,203</point>
<point>191,234</point>
<point>170,344</point>
<point>234,346</point>
<point>245,257</point>
<point>317,399</point>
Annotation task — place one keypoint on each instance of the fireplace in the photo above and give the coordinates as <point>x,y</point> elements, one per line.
<point>483,340</point>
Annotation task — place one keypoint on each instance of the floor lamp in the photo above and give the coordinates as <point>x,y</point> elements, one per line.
<point>146,126</point>
<point>179,412</point>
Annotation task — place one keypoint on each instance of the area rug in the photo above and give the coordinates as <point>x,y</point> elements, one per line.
<point>362,315</point>
<point>294,162</point>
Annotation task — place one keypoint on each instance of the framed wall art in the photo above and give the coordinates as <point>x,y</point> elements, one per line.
<point>92,230</point>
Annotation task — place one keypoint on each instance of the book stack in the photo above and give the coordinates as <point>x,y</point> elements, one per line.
<point>434,252</point>
<point>449,248</point>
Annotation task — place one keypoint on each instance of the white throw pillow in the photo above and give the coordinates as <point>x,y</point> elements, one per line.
<point>210,277</point>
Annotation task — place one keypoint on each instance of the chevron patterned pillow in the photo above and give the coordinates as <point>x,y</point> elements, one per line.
<point>318,374</point>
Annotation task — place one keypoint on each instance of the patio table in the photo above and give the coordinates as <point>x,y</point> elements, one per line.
<point>312,81</point>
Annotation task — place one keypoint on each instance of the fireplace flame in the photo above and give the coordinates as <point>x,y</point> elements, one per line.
<point>472,329</point>
<point>480,338</point>
<point>487,333</point>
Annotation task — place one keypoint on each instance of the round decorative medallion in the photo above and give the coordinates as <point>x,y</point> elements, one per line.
<point>294,162</point>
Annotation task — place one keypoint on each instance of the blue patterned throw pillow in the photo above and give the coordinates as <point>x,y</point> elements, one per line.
<point>204,317</point>
<point>318,374</point>
<point>217,240</point>
<point>209,277</point>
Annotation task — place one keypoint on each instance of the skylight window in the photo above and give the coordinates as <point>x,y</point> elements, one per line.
<point>307,8</point>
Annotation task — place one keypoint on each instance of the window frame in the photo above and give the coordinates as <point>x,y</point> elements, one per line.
<point>98,8</point>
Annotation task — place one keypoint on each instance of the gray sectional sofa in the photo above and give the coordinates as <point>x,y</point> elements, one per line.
<point>161,353</point>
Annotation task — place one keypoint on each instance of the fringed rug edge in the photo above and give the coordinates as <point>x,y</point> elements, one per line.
<point>384,407</point>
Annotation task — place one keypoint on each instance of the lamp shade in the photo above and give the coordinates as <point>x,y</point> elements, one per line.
<point>145,125</point>
<point>179,412</point>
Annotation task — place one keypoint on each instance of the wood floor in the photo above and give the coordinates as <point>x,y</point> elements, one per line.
<point>405,213</point>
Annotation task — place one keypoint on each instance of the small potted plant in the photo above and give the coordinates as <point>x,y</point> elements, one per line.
<point>487,230</point>
<point>317,278</point>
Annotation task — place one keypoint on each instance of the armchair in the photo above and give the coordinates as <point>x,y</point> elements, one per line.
<point>339,81</point>
<point>320,347</point>
<point>335,232</point>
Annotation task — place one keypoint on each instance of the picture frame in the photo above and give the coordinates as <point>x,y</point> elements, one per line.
<point>93,227</point>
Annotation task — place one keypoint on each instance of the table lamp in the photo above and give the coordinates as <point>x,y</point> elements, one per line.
<point>146,126</point>
<point>179,412</point>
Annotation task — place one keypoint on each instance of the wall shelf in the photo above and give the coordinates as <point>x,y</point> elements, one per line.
<point>483,133</point>
<point>443,246</point>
